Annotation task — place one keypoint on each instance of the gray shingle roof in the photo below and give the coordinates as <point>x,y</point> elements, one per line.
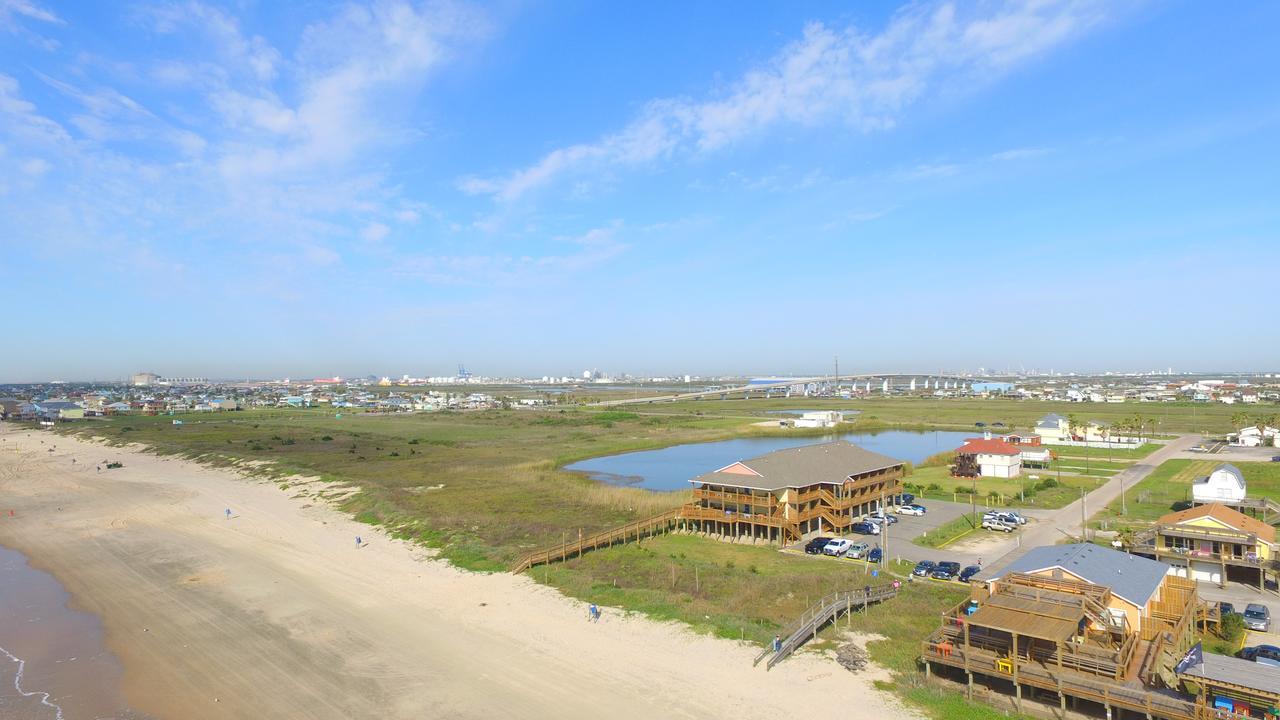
<point>1135,579</point>
<point>830,463</point>
<point>1235,670</point>
<point>1227,468</point>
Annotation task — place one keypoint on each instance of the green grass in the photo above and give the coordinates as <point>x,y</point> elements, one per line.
<point>1009,492</point>
<point>1103,455</point>
<point>1170,484</point>
<point>949,532</point>
<point>727,590</point>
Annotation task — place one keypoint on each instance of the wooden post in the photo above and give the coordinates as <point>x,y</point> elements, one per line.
<point>1017,686</point>
<point>966,658</point>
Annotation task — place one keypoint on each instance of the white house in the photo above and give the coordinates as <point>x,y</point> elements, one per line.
<point>1253,437</point>
<point>1224,484</point>
<point>992,458</point>
<point>821,419</point>
<point>1052,429</point>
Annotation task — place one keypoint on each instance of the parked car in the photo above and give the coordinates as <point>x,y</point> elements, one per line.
<point>967,574</point>
<point>1266,654</point>
<point>865,528</point>
<point>1009,516</point>
<point>923,568</point>
<point>946,571</point>
<point>1257,617</point>
<point>814,546</point>
<point>902,499</point>
<point>912,509</point>
<point>1226,608</point>
<point>857,550</point>
<point>876,555</point>
<point>837,547</point>
<point>880,516</point>
<point>998,525</point>
<point>1275,458</point>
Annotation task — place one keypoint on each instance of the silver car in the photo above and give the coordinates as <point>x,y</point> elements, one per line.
<point>1257,617</point>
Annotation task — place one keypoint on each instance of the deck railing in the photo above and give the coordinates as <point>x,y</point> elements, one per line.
<point>820,613</point>
<point>636,530</point>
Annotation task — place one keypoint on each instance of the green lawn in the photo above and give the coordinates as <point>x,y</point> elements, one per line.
<point>949,532</point>
<point>1102,454</point>
<point>1170,484</point>
<point>937,483</point>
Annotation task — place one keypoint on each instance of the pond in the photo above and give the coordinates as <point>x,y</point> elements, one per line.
<point>672,468</point>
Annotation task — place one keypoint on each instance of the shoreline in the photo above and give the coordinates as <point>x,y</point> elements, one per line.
<point>276,613</point>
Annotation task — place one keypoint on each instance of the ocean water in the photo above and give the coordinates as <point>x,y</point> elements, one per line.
<point>53,663</point>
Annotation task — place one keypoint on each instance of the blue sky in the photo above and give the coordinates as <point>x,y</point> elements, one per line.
<point>260,189</point>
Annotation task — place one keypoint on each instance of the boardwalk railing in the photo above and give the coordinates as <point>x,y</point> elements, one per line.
<point>819,614</point>
<point>634,530</point>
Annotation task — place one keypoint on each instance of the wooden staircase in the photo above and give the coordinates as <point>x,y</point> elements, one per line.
<point>819,614</point>
<point>635,530</point>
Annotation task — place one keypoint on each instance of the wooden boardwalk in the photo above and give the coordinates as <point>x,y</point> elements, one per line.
<point>822,612</point>
<point>635,530</point>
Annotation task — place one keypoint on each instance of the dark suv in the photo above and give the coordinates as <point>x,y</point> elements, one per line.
<point>814,546</point>
<point>923,568</point>
<point>946,571</point>
<point>967,574</point>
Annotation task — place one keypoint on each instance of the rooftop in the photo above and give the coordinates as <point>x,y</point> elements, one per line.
<point>987,446</point>
<point>1225,515</point>
<point>830,463</point>
<point>1131,578</point>
<point>1244,673</point>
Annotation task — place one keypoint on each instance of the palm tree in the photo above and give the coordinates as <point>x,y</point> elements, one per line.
<point>1239,420</point>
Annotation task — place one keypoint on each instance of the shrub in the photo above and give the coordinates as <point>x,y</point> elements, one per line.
<point>933,488</point>
<point>1046,484</point>
<point>941,459</point>
<point>962,490</point>
<point>1231,627</point>
<point>327,438</point>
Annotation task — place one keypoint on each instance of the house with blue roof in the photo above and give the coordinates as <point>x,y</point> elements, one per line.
<point>1137,584</point>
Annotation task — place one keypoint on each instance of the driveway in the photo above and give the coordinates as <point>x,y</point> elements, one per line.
<point>1066,522</point>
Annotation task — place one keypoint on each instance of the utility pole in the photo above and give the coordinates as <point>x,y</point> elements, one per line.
<point>1084,531</point>
<point>884,531</point>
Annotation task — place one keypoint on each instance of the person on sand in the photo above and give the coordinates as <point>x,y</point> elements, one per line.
<point>358,541</point>
<point>777,643</point>
<point>593,613</point>
<point>228,513</point>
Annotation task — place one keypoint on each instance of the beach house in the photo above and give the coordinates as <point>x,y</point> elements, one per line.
<point>987,457</point>
<point>787,494</point>
<point>1207,542</point>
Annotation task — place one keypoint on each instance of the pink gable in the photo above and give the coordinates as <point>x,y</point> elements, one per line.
<point>738,469</point>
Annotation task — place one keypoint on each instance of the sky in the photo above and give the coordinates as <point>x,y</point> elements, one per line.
<point>264,189</point>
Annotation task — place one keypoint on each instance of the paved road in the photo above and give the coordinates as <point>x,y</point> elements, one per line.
<point>1066,521</point>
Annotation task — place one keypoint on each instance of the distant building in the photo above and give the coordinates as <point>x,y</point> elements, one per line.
<point>821,419</point>
<point>144,379</point>
<point>59,410</point>
<point>1224,484</point>
<point>1253,436</point>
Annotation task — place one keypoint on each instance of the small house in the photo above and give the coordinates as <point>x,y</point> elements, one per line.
<point>1254,436</point>
<point>1225,484</point>
<point>1205,541</point>
<point>987,457</point>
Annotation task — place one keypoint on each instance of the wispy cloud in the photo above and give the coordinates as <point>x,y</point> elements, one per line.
<point>585,251</point>
<point>14,12</point>
<point>829,75</point>
<point>282,154</point>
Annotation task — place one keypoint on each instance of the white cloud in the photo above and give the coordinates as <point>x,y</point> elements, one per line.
<point>590,249</point>
<point>10,9</point>
<point>408,216</point>
<point>375,232</point>
<point>35,167</point>
<point>1024,153</point>
<point>860,80</point>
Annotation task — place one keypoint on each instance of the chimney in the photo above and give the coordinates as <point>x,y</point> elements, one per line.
<point>986,435</point>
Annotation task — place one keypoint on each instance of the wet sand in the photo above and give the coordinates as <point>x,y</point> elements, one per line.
<point>275,613</point>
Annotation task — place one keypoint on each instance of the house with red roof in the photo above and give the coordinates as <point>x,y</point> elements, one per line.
<point>987,457</point>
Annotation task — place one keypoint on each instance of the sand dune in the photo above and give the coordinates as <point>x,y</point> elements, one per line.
<point>275,613</point>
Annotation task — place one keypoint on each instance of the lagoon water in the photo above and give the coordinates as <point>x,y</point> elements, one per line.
<point>672,468</point>
<point>53,664</point>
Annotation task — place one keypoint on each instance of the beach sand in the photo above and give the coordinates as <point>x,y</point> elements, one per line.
<point>275,613</point>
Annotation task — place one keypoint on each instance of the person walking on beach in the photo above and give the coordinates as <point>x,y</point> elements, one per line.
<point>777,644</point>
<point>358,541</point>
<point>228,513</point>
<point>593,613</point>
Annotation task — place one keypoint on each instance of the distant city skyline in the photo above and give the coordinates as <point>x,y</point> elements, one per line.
<point>269,190</point>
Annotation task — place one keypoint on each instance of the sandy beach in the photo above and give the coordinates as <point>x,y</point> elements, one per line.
<point>275,612</point>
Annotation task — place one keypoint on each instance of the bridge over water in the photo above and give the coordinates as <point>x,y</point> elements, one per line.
<point>786,387</point>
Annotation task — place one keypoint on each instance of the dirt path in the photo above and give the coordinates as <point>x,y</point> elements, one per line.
<point>275,613</point>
